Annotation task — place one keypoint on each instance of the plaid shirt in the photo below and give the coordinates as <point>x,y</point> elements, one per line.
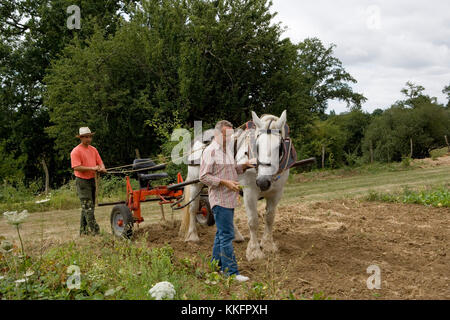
<point>215,165</point>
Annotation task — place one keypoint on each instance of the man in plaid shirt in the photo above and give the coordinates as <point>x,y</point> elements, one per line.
<point>218,170</point>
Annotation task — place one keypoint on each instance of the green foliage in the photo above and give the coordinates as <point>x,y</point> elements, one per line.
<point>406,161</point>
<point>121,269</point>
<point>434,196</point>
<point>446,91</point>
<point>257,291</point>
<point>436,153</point>
<point>33,33</point>
<point>418,118</point>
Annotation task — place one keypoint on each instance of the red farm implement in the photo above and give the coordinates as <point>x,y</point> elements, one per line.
<point>126,213</point>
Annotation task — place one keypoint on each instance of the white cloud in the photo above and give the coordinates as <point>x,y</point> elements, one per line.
<point>383,44</point>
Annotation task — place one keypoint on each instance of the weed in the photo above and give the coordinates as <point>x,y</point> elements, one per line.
<point>437,196</point>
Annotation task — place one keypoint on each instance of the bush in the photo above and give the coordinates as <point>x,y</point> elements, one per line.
<point>436,153</point>
<point>406,161</point>
<point>434,196</point>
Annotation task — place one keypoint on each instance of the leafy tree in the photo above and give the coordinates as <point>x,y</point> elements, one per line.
<point>418,118</point>
<point>353,124</point>
<point>324,134</point>
<point>446,91</point>
<point>33,33</point>
<point>324,76</point>
<point>377,112</point>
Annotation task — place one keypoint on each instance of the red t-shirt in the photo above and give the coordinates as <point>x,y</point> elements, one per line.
<point>87,157</point>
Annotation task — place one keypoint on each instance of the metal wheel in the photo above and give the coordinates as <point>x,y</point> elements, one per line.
<point>122,221</point>
<point>204,215</point>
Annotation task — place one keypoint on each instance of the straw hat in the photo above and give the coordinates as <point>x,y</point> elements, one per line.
<point>84,131</point>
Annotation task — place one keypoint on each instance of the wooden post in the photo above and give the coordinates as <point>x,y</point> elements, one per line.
<point>47,177</point>
<point>448,145</point>
<point>97,176</point>
<point>323,156</point>
<point>371,152</point>
<point>411,143</point>
<point>163,219</point>
<point>138,155</point>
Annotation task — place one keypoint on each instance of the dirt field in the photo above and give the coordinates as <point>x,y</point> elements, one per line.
<point>327,247</point>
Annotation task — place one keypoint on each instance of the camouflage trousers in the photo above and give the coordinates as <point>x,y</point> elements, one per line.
<point>86,193</point>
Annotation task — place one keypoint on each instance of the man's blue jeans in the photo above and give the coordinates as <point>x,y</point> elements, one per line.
<point>223,250</point>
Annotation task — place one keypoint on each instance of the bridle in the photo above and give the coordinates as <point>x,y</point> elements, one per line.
<point>284,150</point>
<point>269,132</point>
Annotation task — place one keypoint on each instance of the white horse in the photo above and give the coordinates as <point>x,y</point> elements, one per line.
<point>264,181</point>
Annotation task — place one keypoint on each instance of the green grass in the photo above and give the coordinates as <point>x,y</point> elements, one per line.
<point>432,196</point>
<point>112,268</point>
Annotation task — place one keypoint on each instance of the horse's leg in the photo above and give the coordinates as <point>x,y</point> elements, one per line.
<point>253,249</point>
<point>192,234</point>
<point>237,235</point>
<point>267,242</point>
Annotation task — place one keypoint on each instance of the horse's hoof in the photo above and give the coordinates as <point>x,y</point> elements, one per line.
<point>238,239</point>
<point>255,254</point>
<point>192,238</point>
<point>269,246</point>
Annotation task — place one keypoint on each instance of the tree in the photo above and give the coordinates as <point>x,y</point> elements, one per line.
<point>446,91</point>
<point>33,33</point>
<point>353,125</point>
<point>324,77</point>
<point>426,123</point>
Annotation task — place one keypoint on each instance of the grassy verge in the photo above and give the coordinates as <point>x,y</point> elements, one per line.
<point>112,268</point>
<point>111,189</point>
<point>436,196</point>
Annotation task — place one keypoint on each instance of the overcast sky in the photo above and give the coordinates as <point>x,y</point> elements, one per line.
<point>382,44</point>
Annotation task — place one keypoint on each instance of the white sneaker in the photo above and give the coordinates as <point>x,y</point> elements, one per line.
<point>241,278</point>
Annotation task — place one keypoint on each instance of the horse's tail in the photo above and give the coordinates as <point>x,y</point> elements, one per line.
<point>186,215</point>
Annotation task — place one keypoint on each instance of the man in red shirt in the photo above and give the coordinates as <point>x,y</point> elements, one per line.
<point>86,162</point>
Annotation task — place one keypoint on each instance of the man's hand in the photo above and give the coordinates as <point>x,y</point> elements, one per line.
<point>232,185</point>
<point>249,164</point>
<point>101,169</point>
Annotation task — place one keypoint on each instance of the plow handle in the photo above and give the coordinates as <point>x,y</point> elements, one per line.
<point>182,185</point>
<point>304,162</point>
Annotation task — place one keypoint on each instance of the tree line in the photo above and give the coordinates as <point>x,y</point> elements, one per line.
<point>137,70</point>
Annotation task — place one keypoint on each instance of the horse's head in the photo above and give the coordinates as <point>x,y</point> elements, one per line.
<point>269,135</point>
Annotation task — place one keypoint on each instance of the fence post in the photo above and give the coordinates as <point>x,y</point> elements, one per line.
<point>371,152</point>
<point>411,143</point>
<point>323,156</point>
<point>47,177</point>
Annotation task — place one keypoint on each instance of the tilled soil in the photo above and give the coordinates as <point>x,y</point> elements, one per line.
<point>326,247</point>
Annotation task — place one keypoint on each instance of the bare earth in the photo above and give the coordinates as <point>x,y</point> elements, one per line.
<point>327,247</point>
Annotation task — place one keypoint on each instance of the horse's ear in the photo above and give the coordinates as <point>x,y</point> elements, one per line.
<point>281,121</point>
<point>257,120</point>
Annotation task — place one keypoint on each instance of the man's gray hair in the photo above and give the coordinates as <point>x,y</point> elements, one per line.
<point>223,123</point>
